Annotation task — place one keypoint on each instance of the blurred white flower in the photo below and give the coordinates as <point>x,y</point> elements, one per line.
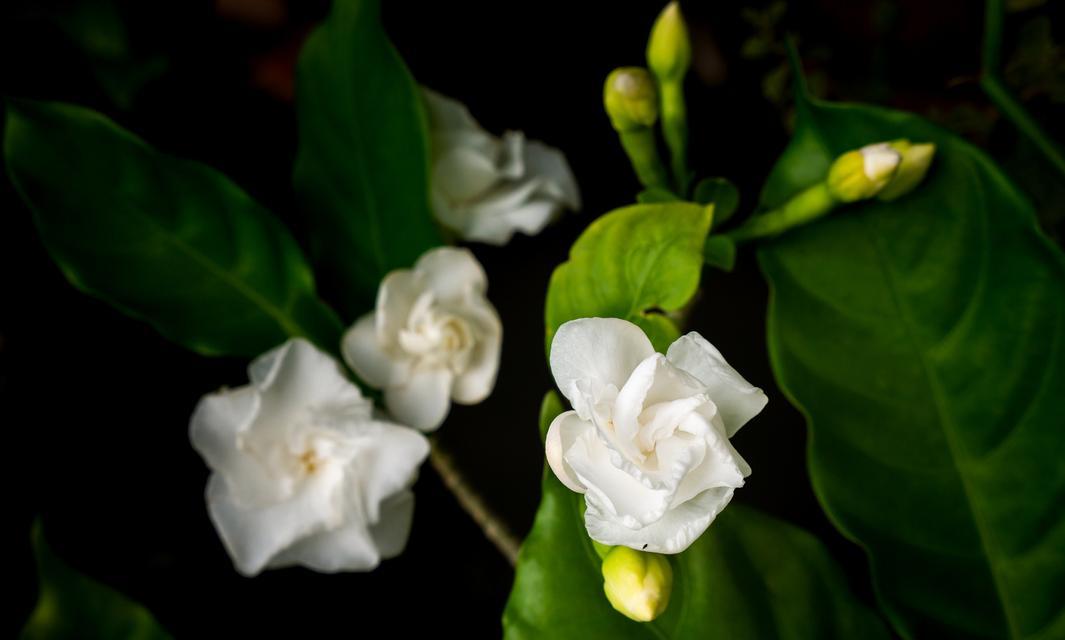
<point>433,337</point>
<point>486,188</point>
<point>648,439</point>
<point>302,472</point>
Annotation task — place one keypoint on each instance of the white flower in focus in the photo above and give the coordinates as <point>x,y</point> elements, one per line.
<point>486,188</point>
<point>433,338</point>
<point>647,441</point>
<point>302,472</point>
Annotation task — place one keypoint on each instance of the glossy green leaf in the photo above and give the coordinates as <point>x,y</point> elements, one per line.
<point>71,605</point>
<point>749,576</point>
<point>632,263</point>
<point>166,240</point>
<point>362,166</point>
<point>721,193</point>
<point>924,340</point>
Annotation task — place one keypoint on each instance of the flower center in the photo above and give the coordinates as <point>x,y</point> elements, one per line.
<point>436,337</point>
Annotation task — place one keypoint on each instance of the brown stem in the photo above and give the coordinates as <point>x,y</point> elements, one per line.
<point>491,524</point>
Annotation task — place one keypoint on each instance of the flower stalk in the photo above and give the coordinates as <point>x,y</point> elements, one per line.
<point>669,57</point>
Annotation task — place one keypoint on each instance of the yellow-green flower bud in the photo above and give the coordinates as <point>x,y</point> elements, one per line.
<point>861,174</point>
<point>637,583</point>
<point>916,159</point>
<point>631,99</point>
<point>669,51</point>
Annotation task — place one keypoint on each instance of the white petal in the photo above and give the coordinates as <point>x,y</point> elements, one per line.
<point>422,401</point>
<point>216,424</point>
<point>551,166</point>
<point>736,399</point>
<point>615,486</point>
<point>476,383</point>
<point>533,216</point>
<point>601,350</point>
<point>673,533</point>
<point>348,548</point>
<point>365,354</point>
<point>388,463</point>
<point>391,531</point>
<point>512,155</point>
<point>396,295</point>
<point>451,273</point>
<point>563,432</point>
<point>447,114</point>
<point>254,535</point>
<point>464,174</point>
<point>303,376</point>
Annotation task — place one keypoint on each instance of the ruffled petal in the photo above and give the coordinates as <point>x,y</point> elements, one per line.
<point>673,533</point>
<point>476,382</point>
<point>550,165</point>
<point>365,354</point>
<point>451,273</point>
<point>736,399</point>
<point>423,400</point>
<point>603,351</point>
<point>564,431</point>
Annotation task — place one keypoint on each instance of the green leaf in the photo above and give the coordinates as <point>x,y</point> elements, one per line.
<point>721,193</point>
<point>720,251</point>
<point>632,263</point>
<point>362,167</point>
<point>655,195</point>
<point>165,240</point>
<point>923,339</point>
<point>748,576</point>
<point>71,605</point>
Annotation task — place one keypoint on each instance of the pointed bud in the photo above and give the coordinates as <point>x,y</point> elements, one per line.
<point>637,583</point>
<point>631,99</point>
<point>916,159</point>
<point>669,50</point>
<point>861,174</point>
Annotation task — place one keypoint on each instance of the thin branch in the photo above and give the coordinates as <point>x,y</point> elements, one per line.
<point>490,523</point>
<point>1001,96</point>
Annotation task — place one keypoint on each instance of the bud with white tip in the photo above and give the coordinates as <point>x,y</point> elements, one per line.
<point>631,99</point>
<point>861,174</point>
<point>669,50</point>
<point>916,159</point>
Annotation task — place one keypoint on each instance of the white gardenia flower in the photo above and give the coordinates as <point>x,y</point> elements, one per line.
<point>486,188</point>
<point>432,338</point>
<point>303,474</point>
<point>647,442</point>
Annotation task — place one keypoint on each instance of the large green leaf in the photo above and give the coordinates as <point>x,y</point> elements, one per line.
<point>923,339</point>
<point>749,576</point>
<point>362,167</point>
<point>166,240</point>
<point>632,263</point>
<point>71,605</point>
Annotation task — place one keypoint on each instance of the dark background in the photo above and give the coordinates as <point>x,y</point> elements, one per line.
<point>95,406</point>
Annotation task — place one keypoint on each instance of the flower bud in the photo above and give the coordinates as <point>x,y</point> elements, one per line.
<point>861,174</point>
<point>637,583</point>
<point>631,99</point>
<point>669,51</point>
<point>916,158</point>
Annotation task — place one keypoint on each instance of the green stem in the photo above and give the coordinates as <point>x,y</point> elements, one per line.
<point>1002,97</point>
<point>640,146</point>
<point>675,131</point>
<point>807,206</point>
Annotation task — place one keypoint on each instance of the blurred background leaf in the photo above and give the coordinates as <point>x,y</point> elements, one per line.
<point>362,167</point>
<point>71,605</point>
<point>748,576</point>
<point>162,239</point>
<point>923,340</point>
